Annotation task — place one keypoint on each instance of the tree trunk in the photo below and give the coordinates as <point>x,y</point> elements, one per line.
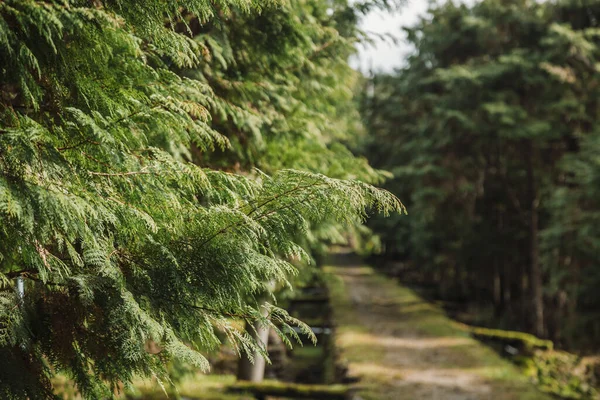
<point>535,272</point>
<point>501,277</point>
<point>497,288</point>
<point>254,371</point>
<point>506,287</point>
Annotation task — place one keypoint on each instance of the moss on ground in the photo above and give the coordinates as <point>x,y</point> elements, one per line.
<point>193,387</point>
<point>293,390</point>
<point>524,342</point>
<point>197,387</point>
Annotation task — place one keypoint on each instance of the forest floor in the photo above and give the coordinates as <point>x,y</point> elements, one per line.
<point>402,347</point>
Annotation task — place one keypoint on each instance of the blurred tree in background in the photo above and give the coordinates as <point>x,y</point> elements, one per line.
<point>490,130</point>
<point>130,207</point>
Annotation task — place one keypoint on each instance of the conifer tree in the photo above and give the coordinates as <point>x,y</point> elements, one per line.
<point>123,226</point>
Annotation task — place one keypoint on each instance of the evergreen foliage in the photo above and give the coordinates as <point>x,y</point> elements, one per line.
<point>490,132</point>
<point>129,202</point>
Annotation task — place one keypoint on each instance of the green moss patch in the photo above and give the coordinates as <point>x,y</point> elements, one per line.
<point>292,390</point>
<point>526,343</point>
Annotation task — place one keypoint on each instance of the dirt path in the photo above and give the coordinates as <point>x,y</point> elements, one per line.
<point>402,347</point>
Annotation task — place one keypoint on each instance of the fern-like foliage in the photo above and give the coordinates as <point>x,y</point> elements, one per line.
<point>124,244</point>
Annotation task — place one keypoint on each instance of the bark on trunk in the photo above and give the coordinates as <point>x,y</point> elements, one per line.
<point>254,371</point>
<point>535,272</point>
<point>497,288</point>
<point>506,287</point>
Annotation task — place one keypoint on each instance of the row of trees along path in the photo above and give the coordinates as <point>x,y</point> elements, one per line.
<point>490,133</point>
